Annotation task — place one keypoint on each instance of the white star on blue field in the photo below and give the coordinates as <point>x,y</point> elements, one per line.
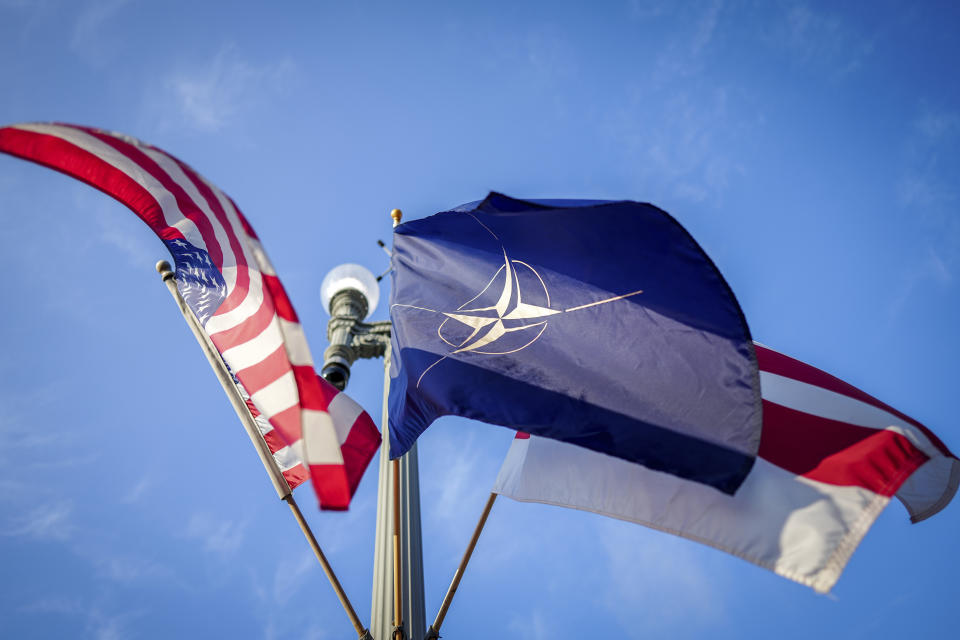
<point>811,148</point>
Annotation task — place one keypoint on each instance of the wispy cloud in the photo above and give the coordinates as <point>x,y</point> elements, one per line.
<point>28,445</point>
<point>685,149</point>
<point>927,189</point>
<point>280,629</point>
<point>98,624</point>
<point>135,492</point>
<point>541,54</point>
<point>18,4</point>
<point>454,504</point>
<point>87,38</point>
<point>675,582</point>
<point>938,268</point>
<point>677,120</point>
<point>534,625</point>
<point>818,38</point>
<point>459,487</point>
<point>117,228</point>
<point>549,54</point>
<point>12,490</point>
<point>918,188</point>
<point>647,9</point>
<point>43,522</point>
<point>937,124</point>
<point>108,628</point>
<point>55,604</point>
<point>932,268</point>
<point>291,573</point>
<point>220,536</point>
<point>339,534</point>
<point>215,94</point>
<point>127,569</point>
<point>684,56</point>
<point>24,444</point>
<point>31,445</point>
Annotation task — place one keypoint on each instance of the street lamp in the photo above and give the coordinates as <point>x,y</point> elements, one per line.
<point>350,293</point>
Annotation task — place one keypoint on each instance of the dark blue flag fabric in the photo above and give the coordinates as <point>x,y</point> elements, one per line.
<point>601,324</point>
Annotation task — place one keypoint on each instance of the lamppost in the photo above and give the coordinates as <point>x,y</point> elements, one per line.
<point>350,292</point>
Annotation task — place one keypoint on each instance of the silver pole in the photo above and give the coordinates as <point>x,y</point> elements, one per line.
<point>411,545</point>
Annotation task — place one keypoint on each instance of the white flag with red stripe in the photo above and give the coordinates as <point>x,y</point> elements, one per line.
<point>227,280</point>
<point>830,459</point>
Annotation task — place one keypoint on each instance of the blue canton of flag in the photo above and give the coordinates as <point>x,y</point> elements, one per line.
<point>601,324</point>
<point>200,283</point>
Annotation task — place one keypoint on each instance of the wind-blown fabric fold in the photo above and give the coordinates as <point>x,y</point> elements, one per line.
<point>601,324</point>
<point>830,459</point>
<point>228,282</point>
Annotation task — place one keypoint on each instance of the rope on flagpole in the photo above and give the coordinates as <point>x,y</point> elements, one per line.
<point>433,633</point>
<point>398,633</point>
<point>259,444</point>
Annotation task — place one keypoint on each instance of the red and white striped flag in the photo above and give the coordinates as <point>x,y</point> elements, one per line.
<point>830,459</point>
<point>227,280</point>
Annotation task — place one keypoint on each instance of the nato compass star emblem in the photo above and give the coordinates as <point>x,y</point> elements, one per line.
<point>508,315</point>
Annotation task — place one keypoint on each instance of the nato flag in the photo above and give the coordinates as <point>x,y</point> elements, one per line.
<point>601,324</point>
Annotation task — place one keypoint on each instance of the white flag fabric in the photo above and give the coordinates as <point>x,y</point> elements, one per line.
<point>830,459</point>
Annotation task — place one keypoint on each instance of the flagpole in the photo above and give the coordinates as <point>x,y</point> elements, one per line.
<point>384,610</point>
<point>253,432</point>
<point>434,632</point>
<point>389,598</point>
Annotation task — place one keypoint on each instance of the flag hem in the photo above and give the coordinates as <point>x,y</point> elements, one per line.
<point>949,491</point>
<point>821,582</point>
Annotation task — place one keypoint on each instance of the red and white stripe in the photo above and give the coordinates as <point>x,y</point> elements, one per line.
<point>830,459</point>
<point>255,329</point>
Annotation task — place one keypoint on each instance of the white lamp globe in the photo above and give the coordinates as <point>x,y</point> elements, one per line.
<point>350,276</point>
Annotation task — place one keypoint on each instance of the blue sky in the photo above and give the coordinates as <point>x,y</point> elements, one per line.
<point>812,149</point>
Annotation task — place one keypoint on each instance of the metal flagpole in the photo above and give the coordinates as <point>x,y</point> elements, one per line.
<point>411,547</point>
<point>253,432</point>
<point>384,598</point>
<point>434,632</point>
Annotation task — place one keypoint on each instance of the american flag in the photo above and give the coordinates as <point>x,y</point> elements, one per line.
<point>227,280</point>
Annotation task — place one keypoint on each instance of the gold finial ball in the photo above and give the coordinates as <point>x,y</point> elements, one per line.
<point>165,270</point>
<point>396,214</point>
